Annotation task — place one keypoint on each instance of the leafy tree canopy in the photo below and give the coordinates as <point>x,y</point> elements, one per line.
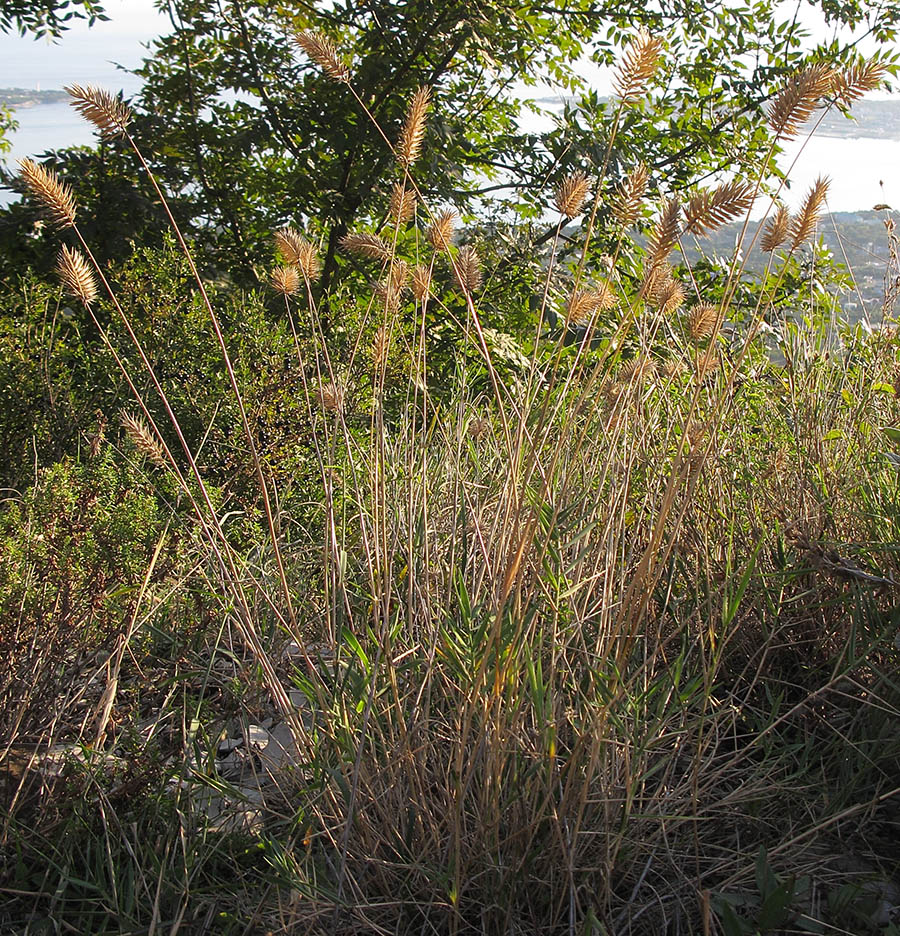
<point>46,17</point>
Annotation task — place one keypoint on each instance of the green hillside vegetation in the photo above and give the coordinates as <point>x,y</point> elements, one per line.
<point>374,559</point>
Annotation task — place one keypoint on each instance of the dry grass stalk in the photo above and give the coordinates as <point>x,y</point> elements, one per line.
<point>584,304</point>
<point>804,224</point>
<point>665,232</point>
<point>467,269</point>
<point>421,281</point>
<point>323,52</point>
<point>440,232</point>
<point>107,112</point>
<point>708,210</point>
<point>798,99</point>
<point>571,195</point>
<point>638,65</point>
<point>76,275</point>
<point>629,197</point>
<point>705,365</point>
<point>702,319</point>
<point>402,203</point>
<point>367,245</point>
<point>143,439</point>
<point>296,251</point>
<point>853,82</point>
<point>286,280</point>
<point>413,133</point>
<point>776,230</point>
<point>54,194</point>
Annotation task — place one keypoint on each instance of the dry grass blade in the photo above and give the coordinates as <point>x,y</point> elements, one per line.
<point>776,230</point>
<point>107,112</point>
<point>76,275</point>
<point>402,204</point>
<point>296,251</point>
<point>571,195</point>
<point>583,304</point>
<point>805,223</point>
<point>665,233</point>
<point>323,52</point>
<point>853,82</point>
<point>143,439</point>
<point>638,65</point>
<point>702,319</point>
<point>629,197</point>
<point>367,245</point>
<point>708,210</point>
<point>798,99</point>
<point>285,280</point>
<point>467,269</point>
<point>54,194</point>
<point>440,232</point>
<point>421,281</point>
<point>413,133</point>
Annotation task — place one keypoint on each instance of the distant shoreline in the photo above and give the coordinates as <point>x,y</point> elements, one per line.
<point>26,97</point>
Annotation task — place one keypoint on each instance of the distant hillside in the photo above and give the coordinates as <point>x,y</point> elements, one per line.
<point>25,97</point>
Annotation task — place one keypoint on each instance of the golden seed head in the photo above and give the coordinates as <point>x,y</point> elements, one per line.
<point>571,195</point>
<point>413,133</point>
<point>637,370</point>
<point>76,275</point>
<point>367,245</point>
<point>853,82</point>
<point>321,50</point>
<point>584,304</point>
<point>805,223</point>
<point>708,210</point>
<point>388,294</point>
<point>331,397</point>
<point>107,112</point>
<point>421,281</point>
<point>399,274</point>
<point>297,251</point>
<point>402,204</point>
<point>796,102</point>
<point>665,232</point>
<point>702,320</point>
<point>670,297</point>
<point>467,269</point>
<point>55,195</point>
<point>638,65</point>
<point>629,197</point>
<point>776,230</point>
<point>286,280</point>
<point>143,438</point>
<point>439,234</point>
<point>380,347</point>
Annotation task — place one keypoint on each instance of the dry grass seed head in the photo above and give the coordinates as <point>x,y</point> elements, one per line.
<point>331,397</point>
<point>402,204</point>
<point>142,438</point>
<point>296,251</point>
<point>804,224</point>
<point>702,319</point>
<point>107,112</point>
<point>367,245</point>
<point>380,347</point>
<point>54,194</point>
<point>467,269</point>
<point>388,295</point>
<point>637,370</point>
<point>629,197</point>
<point>285,280</point>
<point>798,99</point>
<point>853,82</point>
<point>399,274</point>
<point>321,50</point>
<point>583,304</point>
<point>708,210</point>
<point>705,365</point>
<point>413,133</point>
<point>440,232</point>
<point>638,65</point>
<point>776,230</point>
<point>670,297</point>
<point>421,281</point>
<point>76,275</point>
<point>571,195</point>
<point>665,232</point>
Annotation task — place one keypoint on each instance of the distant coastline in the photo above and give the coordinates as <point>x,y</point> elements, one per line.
<point>28,97</point>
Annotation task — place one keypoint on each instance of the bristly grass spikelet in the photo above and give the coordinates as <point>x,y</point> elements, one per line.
<point>798,99</point>
<point>54,194</point>
<point>702,320</point>
<point>76,275</point>
<point>665,232</point>
<point>143,439</point>
<point>584,304</point>
<point>776,230</point>
<point>107,112</point>
<point>380,347</point>
<point>402,204</point>
<point>421,281</point>
<point>805,223</point>
<point>323,52</point>
<point>388,295</point>
<point>467,269</point>
<point>440,232</point>
<point>854,81</point>
<point>629,196</point>
<point>367,245</point>
<point>669,297</point>
<point>286,280</point>
<point>297,251</point>
<point>571,194</point>
<point>708,210</point>
<point>638,66</point>
<point>413,133</point>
